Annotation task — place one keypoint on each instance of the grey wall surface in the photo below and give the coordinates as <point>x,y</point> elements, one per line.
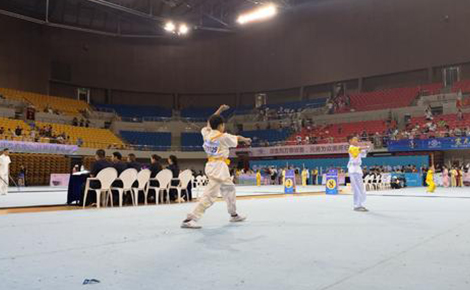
<point>319,43</point>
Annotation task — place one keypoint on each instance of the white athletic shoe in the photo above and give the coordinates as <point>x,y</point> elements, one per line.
<point>190,225</point>
<point>361,209</point>
<point>237,219</point>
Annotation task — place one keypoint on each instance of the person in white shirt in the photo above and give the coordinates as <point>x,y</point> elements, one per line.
<point>356,153</point>
<point>217,146</point>
<point>4,171</point>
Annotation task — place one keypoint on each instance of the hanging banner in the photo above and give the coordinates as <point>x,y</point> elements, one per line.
<point>310,149</point>
<point>434,144</point>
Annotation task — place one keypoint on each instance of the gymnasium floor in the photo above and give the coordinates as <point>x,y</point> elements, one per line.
<point>406,241</point>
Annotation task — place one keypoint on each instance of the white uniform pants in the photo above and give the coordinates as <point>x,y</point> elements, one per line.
<point>4,184</point>
<point>226,188</point>
<point>359,191</point>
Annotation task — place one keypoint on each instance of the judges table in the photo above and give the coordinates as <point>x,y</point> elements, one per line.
<point>76,185</point>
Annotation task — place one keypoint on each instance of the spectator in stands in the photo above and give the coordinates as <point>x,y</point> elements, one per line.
<point>2,130</point>
<point>155,166</point>
<point>75,121</point>
<point>118,164</point>
<point>428,113</point>
<point>87,123</point>
<point>79,142</point>
<point>460,115</point>
<point>18,131</point>
<point>82,122</point>
<point>132,162</point>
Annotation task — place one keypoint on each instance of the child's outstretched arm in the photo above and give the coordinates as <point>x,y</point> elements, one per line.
<point>245,140</point>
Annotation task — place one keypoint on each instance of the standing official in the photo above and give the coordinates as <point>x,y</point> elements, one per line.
<point>4,171</point>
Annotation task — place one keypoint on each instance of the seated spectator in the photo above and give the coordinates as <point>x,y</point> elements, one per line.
<point>173,167</point>
<point>118,163</point>
<point>18,131</point>
<point>100,164</point>
<point>155,166</point>
<point>75,121</point>
<point>132,162</point>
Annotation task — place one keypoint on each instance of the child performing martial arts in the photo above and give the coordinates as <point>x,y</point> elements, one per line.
<point>217,145</point>
<point>356,153</point>
<point>430,180</point>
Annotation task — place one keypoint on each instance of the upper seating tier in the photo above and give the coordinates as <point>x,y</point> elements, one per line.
<point>42,102</point>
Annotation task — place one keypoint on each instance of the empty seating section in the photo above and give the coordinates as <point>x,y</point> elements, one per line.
<point>154,140</point>
<point>39,166</point>
<point>203,113</point>
<point>390,98</point>
<point>41,102</point>
<point>339,132</point>
<point>313,103</point>
<point>383,99</point>
<point>191,141</point>
<point>131,111</point>
<point>463,86</point>
<point>269,135</point>
<point>91,137</point>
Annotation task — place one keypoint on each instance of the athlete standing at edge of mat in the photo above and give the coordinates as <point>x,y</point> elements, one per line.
<point>356,153</point>
<point>217,146</point>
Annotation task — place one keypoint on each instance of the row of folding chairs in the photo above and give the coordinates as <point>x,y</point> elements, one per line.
<point>128,177</point>
<point>372,182</point>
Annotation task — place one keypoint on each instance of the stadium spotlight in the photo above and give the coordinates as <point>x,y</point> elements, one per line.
<point>170,27</point>
<point>264,12</point>
<point>183,29</point>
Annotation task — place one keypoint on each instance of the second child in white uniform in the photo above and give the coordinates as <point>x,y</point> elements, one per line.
<point>217,146</point>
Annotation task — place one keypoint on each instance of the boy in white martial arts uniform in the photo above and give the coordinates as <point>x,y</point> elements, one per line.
<point>4,171</point>
<point>356,153</point>
<point>217,145</point>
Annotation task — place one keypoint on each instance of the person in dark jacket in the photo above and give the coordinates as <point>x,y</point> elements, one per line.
<point>132,162</point>
<point>173,167</point>
<point>155,166</point>
<point>100,164</point>
<point>118,163</point>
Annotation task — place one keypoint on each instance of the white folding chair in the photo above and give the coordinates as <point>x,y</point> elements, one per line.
<point>143,178</point>
<point>128,177</point>
<point>199,184</point>
<point>164,178</point>
<point>184,178</point>
<point>106,177</point>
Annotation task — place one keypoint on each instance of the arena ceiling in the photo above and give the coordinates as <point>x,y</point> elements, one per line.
<point>136,18</point>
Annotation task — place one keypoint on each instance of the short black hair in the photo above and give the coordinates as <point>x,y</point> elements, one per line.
<point>6,149</point>
<point>156,157</point>
<point>117,155</point>
<point>174,159</point>
<point>215,121</point>
<point>100,153</point>
<point>131,156</point>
